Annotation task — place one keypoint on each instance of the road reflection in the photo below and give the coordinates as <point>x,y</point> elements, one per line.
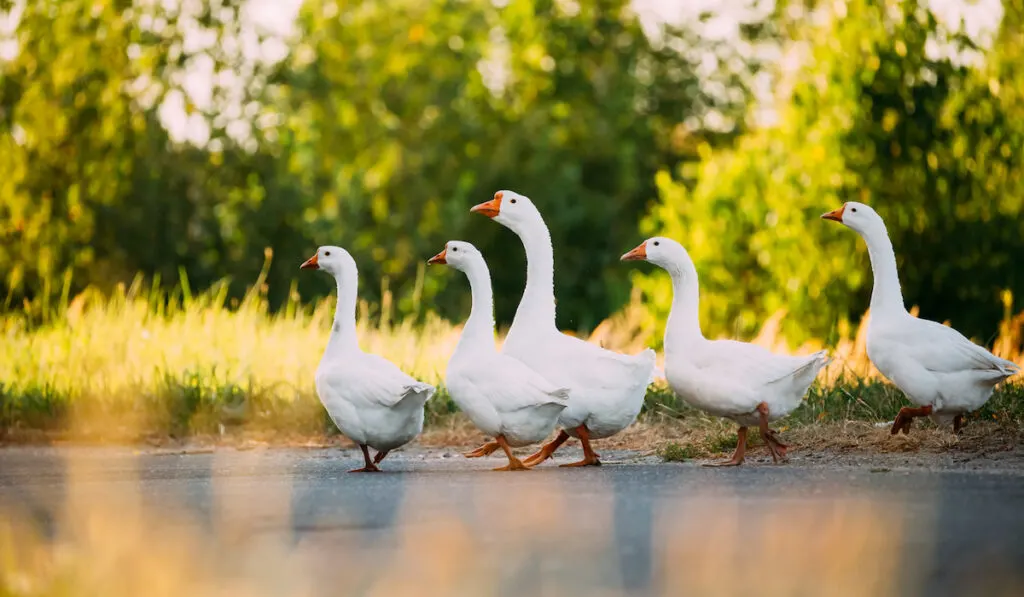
<point>259,523</point>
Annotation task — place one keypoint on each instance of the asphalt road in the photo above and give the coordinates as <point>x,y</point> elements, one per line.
<point>291,522</point>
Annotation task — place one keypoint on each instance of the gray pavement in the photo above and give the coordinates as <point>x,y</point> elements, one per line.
<point>293,521</point>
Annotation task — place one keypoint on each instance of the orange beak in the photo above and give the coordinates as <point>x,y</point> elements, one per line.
<point>440,258</point>
<point>637,254</point>
<point>836,215</point>
<point>489,208</point>
<point>311,263</point>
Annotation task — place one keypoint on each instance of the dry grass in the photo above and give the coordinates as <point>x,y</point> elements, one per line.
<point>864,437</point>
<point>455,431</point>
<point>166,370</point>
<point>143,365</point>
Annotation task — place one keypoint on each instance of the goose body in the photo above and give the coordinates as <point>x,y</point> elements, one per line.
<point>607,388</point>
<point>372,401</point>
<point>938,369</point>
<point>729,379</point>
<point>739,381</point>
<point>614,384</point>
<point>503,397</point>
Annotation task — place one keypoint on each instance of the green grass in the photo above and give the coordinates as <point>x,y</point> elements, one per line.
<point>196,403</point>
<point>206,402</point>
<point>144,364</point>
<point>848,398</point>
<point>676,452</point>
<point>722,442</point>
<point>33,407</point>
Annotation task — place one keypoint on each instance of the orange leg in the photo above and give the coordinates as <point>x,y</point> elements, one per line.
<point>380,456</point>
<point>370,466</point>
<point>484,450</point>
<point>906,417</point>
<point>514,464</point>
<point>589,456</point>
<point>777,448</point>
<point>546,450</point>
<point>737,456</point>
<point>958,423</point>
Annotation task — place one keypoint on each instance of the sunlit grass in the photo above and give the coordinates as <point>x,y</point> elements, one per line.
<point>142,363</point>
<point>145,365</point>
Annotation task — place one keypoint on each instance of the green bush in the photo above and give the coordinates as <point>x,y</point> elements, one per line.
<point>871,115</point>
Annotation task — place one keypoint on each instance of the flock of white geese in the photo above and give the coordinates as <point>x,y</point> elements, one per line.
<point>542,378</point>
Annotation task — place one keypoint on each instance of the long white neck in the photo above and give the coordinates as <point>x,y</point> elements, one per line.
<point>683,326</point>
<point>886,296</point>
<point>343,331</point>
<point>538,301</point>
<point>478,333</point>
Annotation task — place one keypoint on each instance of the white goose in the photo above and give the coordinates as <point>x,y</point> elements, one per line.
<point>734,380</point>
<point>938,369</point>
<point>371,400</point>
<point>607,388</point>
<point>503,397</point>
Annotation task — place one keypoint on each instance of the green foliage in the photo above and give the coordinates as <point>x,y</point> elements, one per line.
<point>403,115</point>
<point>726,442</point>
<point>92,186</point>
<point>54,175</point>
<point>662,401</point>
<point>439,407</point>
<point>851,398</point>
<point>1006,405</point>
<point>31,406</point>
<point>385,121</point>
<point>875,114</point>
<point>675,452</point>
<point>382,125</point>
<point>193,404</point>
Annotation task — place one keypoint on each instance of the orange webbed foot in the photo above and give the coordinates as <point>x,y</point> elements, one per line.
<point>372,468</point>
<point>484,450</point>
<point>513,465</point>
<point>737,455</point>
<point>591,460</point>
<point>724,463</point>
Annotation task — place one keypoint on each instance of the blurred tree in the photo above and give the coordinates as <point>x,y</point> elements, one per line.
<point>91,182</point>
<point>385,127</point>
<point>883,109</point>
<point>67,132</point>
<point>591,108</point>
<point>405,114</point>
<point>143,137</point>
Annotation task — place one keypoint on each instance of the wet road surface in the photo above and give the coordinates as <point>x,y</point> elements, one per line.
<point>294,522</point>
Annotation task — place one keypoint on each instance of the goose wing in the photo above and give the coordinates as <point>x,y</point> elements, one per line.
<point>942,349</point>
<point>371,381</point>
<point>510,385</point>
<point>593,366</point>
<point>755,364</point>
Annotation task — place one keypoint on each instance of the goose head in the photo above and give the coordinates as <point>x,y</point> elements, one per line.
<point>458,254</point>
<point>510,209</point>
<point>857,216</point>
<point>333,260</point>
<point>661,251</point>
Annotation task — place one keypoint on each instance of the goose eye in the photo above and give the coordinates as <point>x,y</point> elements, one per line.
<point>454,249</point>
<point>327,253</point>
<point>513,201</point>
<point>656,243</point>
<point>853,209</point>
